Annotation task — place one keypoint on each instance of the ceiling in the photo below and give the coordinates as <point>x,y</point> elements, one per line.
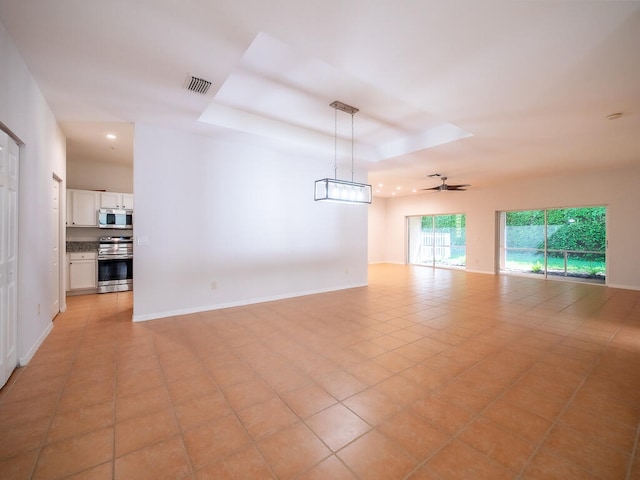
<point>480,91</point>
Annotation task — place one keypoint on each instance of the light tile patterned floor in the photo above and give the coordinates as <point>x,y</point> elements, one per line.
<point>421,375</point>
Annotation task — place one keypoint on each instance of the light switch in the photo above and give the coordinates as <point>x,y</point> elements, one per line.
<point>143,240</point>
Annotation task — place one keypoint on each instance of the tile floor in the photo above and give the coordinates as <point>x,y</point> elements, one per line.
<point>421,375</point>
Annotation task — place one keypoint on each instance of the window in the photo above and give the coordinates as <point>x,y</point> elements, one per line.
<point>562,242</point>
<point>438,240</point>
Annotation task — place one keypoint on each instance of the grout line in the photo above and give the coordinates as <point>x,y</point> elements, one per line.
<point>173,411</point>
<point>115,406</point>
<point>568,404</point>
<point>253,442</point>
<point>451,380</point>
<point>636,444</point>
<point>634,452</point>
<point>462,428</point>
<point>493,402</point>
<point>41,447</point>
<point>11,381</point>
<point>556,421</point>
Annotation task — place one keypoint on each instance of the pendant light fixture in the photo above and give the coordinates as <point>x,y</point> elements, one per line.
<point>343,191</point>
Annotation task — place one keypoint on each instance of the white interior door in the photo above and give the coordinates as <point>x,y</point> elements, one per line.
<point>8,256</point>
<point>55,251</point>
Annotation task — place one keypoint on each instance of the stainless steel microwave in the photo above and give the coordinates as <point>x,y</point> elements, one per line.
<point>113,218</point>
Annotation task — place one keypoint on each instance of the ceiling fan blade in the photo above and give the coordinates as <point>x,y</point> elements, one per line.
<point>446,186</point>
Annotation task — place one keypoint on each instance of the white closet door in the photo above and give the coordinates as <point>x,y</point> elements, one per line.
<point>8,256</point>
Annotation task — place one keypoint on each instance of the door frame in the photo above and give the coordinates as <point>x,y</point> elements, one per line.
<point>9,360</point>
<point>62,304</point>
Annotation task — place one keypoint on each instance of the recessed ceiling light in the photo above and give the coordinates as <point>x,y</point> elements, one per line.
<point>381,184</point>
<point>393,193</point>
<point>414,190</point>
<point>111,136</point>
<point>614,116</point>
<point>398,188</point>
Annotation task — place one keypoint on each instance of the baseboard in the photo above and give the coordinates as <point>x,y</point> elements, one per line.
<point>485,272</point>
<point>623,287</point>
<point>239,303</point>
<point>22,361</point>
<point>82,291</point>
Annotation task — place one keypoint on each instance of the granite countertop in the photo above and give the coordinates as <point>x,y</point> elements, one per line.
<point>82,246</point>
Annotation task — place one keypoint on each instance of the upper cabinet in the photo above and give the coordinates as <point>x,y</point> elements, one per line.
<point>82,208</point>
<point>116,200</point>
<point>83,205</point>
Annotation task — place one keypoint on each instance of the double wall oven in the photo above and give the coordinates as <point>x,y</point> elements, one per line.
<point>115,264</point>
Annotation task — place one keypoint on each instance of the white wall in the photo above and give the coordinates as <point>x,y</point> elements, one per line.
<point>616,189</point>
<point>26,116</point>
<point>240,214</point>
<point>377,230</point>
<point>90,175</point>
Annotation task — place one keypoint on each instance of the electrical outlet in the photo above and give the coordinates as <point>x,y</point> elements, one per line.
<point>38,309</point>
<point>214,285</point>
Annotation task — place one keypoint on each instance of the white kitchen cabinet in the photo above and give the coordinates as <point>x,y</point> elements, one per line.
<point>116,200</point>
<point>82,208</point>
<point>127,201</point>
<point>82,270</point>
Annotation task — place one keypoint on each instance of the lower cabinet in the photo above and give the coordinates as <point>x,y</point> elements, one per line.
<point>82,271</point>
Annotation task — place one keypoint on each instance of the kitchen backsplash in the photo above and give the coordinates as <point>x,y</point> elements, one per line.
<point>82,246</point>
<point>89,234</point>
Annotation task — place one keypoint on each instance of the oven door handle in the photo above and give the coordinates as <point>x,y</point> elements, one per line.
<point>114,257</point>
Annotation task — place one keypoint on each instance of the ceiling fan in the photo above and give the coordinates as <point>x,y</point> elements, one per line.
<point>445,186</point>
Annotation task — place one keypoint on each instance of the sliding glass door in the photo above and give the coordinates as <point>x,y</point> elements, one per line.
<point>437,240</point>
<point>561,242</point>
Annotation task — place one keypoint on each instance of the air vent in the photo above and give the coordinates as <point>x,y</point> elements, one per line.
<point>198,85</point>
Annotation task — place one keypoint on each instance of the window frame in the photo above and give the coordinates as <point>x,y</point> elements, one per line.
<point>411,253</point>
<point>545,272</point>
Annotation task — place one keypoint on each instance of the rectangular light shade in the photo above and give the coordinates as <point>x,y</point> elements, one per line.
<point>332,190</point>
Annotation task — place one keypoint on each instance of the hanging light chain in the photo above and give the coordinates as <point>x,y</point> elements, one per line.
<point>335,145</point>
<point>352,147</point>
<point>343,107</point>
